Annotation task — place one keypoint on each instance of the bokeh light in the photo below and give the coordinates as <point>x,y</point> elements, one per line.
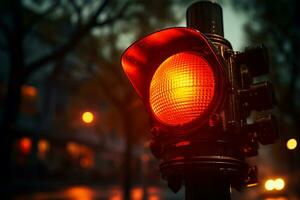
<point>269,185</point>
<point>87,117</point>
<point>25,145</point>
<point>274,184</point>
<point>29,91</point>
<point>43,147</point>
<point>291,144</point>
<point>279,184</point>
<point>80,193</point>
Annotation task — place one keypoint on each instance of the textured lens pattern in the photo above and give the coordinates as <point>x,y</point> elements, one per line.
<point>182,88</point>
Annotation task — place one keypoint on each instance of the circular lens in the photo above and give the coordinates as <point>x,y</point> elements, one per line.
<point>279,184</point>
<point>269,185</point>
<point>182,88</point>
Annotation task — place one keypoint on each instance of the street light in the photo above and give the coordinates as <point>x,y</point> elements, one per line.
<point>275,184</point>
<point>269,185</point>
<point>279,184</point>
<point>291,144</point>
<point>87,117</point>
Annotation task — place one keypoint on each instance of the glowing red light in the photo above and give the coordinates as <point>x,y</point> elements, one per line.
<point>182,88</point>
<point>25,145</point>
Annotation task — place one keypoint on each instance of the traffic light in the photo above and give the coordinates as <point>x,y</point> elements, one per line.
<point>200,96</point>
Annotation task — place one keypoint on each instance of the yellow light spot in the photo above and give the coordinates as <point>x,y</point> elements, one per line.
<point>43,147</point>
<point>252,185</point>
<point>279,184</point>
<point>87,117</point>
<point>269,185</point>
<point>291,144</point>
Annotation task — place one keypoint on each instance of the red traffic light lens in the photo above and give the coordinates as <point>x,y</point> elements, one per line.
<point>182,88</point>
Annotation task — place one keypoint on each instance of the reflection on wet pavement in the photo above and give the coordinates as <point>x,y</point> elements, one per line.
<point>89,193</point>
<point>115,193</point>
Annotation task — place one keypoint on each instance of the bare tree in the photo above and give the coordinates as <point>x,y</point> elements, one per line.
<point>19,22</point>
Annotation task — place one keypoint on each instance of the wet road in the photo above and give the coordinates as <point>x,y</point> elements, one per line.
<point>100,193</point>
<point>115,193</point>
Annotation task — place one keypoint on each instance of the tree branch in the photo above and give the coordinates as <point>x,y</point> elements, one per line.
<point>3,47</point>
<point>39,18</point>
<point>112,19</point>
<point>77,9</point>
<point>5,29</point>
<point>80,32</point>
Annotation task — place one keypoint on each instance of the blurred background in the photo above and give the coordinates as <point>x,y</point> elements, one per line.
<point>72,127</point>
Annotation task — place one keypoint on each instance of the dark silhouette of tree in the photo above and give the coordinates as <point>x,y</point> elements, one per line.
<point>15,30</point>
<point>63,26</point>
<point>277,25</point>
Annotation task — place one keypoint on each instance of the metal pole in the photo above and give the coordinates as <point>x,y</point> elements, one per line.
<point>206,188</point>
<point>207,17</point>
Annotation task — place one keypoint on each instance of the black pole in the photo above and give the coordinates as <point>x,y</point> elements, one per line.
<point>206,188</point>
<point>206,17</point>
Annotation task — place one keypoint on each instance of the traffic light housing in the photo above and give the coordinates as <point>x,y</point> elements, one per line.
<point>200,96</point>
<point>163,56</point>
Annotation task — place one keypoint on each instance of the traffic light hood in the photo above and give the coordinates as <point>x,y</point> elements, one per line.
<point>142,58</point>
